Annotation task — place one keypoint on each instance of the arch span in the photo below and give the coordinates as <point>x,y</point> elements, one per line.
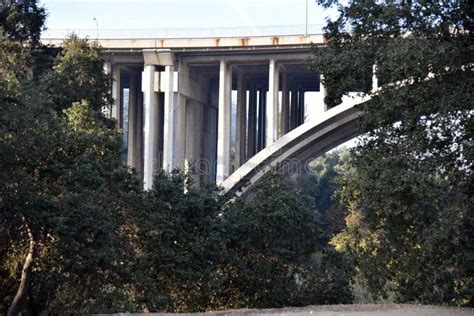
<point>305,142</point>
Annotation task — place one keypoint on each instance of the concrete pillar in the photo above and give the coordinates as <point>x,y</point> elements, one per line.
<point>285,105</point>
<point>301,106</point>
<point>207,164</point>
<point>169,118</point>
<point>261,119</point>
<point>272,103</point>
<point>181,103</point>
<point>116,95</point>
<point>151,133</point>
<point>194,137</point>
<point>322,91</point>
<point>252,124</point>
<point>223,130</point>
<point>139,148</point>
<point>241,120</point>
<point>294,109</point>
<point>213,126</point>
<point>180,132</point>
<point>132,121</point>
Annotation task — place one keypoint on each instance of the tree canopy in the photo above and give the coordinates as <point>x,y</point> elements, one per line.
<point>21,21</point>
<point>410,192</point>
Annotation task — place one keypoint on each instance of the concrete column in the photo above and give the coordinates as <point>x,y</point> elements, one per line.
<point>169,118</point>
<point>301,106</point>
<point>241,120</point>
<point>294,109</point>
<point>272,104</point>
<point>213,126</point>
<point>116,95</point>
<point>180,132</point>
<point>132,121</point>
<point>151,118</point>
<point>223,130</point>
<point>261,119</point>
<point>285,105</point>
<point>322,91</point>
<point>194,137</point>
<point>139,149</point>
<point>181,102</point>
<point>252,131</point>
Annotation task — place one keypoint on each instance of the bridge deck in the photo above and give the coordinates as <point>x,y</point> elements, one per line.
<point>186,43</point>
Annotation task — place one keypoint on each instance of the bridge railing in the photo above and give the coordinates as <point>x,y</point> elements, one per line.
<point>217,32</point>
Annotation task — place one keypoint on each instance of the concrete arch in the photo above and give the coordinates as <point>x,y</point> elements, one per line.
<point>307,141</point>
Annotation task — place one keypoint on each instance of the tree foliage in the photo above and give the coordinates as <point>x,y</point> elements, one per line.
<point>21,20</point>
<point>321,183</point>
<point>196,251</point>
<point>410,192</point>
<point>78,75</point>
<point>62,183</point>
<point>282,251</point>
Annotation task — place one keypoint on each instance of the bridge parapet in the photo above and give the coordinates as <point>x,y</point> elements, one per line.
<point>175,33</point>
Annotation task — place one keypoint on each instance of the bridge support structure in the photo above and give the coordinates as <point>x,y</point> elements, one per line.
<point>206,112</point>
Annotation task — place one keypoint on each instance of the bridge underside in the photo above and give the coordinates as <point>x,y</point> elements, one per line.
<point>208,111</point>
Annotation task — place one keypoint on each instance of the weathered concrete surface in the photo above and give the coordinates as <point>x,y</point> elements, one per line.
<point>343,310</point>
<point>252,41</point>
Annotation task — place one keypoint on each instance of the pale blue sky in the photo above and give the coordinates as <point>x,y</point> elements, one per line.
<point>139,14</point>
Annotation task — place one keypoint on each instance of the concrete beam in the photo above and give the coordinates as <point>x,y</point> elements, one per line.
<point>130,58</point>
<point>232,57</point>
<point>158,57</point>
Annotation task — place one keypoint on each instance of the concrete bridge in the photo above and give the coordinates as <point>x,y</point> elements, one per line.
<point>227,107</point>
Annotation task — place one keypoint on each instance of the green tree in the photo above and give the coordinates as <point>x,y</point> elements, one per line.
<point>64,193</point>
<point>280,255</point>
<point>321,182</point>
<point>411,221</point>
<point>21,21</point>
<point>63,188</point>
<point>199,251</point>
<point>179,245</point>
<point>78,75</point>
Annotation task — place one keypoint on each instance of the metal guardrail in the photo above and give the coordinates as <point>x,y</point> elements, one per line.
<point>217,32</point>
